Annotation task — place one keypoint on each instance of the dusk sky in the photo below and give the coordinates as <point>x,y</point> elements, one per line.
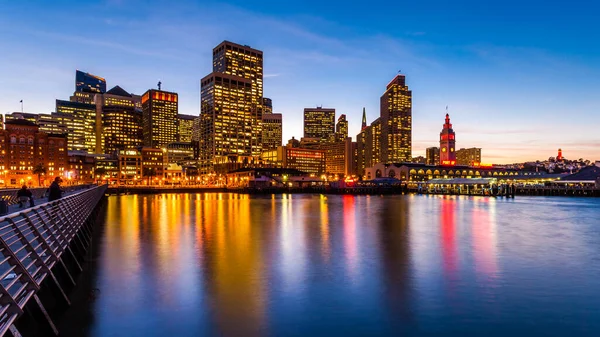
<point>520,78</point>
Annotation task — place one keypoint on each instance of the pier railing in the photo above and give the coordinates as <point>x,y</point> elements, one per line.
<point>33,242</point>
<point>10,194</point>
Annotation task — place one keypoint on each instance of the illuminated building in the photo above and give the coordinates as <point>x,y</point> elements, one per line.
<point>231,105</point>
<point>339,157</point>
<point>469,156</point>
<point>179,152</point>
<point>422,172</point>
<point>447,144</point>
<point>85,82</point>
<point>30,117</point>
<point>119,123</point>
<point>341,128</point>
<point>419,160</point>
<point>83,136</point>
<point>185,128</point>
<point>368,146</point>
<point>267,106</point>
<point>396,122</point>
<point>23,148</point>
<point>293,142</point>
<point>153,164</point>
<point>81,166</point>
<point>159,117</point>
<point>432,155</point>
<point>559,157</point>
<point>271,131</point>
<point>311,143</point>
<point>319,123</point>
<point>364,120</point>
<point>305,160</point>
<point>109,165</point>
<point>130,166</point>
<point>54,123</point>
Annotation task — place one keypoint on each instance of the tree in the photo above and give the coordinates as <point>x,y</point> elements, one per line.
<point>39,169</point>
<point>100,172</point>
<point>149,172</point>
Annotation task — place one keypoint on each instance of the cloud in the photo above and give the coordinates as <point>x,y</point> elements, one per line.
<point>270,75</point>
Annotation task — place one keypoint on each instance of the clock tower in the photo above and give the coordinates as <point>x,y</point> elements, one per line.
<point>447,142</point>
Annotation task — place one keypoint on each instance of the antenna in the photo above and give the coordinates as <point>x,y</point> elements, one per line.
<point>159,83</point>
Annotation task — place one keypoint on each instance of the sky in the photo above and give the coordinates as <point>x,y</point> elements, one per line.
<point>520,78</point>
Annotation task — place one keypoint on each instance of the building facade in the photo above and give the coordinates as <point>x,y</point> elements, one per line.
<point>396,122</point>
<point>447,144</point>
<point>159,116</point>
<point>83,136</point>
<point>339,157</point>
<point>272,131</point>
<point>185,128</point>
<point>267,106</point>
<point>231,105</point>
<point>341,128</point>
<point>319,123</point>
<point>470,156</point>
<point>85,82</point>
<point>118,122</point>
<point>432,156</point>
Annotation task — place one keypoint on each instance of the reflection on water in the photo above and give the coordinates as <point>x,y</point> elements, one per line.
<point>295,265</point>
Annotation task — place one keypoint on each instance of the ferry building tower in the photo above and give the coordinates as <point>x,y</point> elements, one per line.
<point>447,141</point>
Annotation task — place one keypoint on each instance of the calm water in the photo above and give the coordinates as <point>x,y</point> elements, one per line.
<point>310,265</point>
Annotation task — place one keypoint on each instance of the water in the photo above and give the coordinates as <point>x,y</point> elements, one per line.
<point>310,265</point>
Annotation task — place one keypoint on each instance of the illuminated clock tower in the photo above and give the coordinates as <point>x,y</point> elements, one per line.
<point>447,141</point>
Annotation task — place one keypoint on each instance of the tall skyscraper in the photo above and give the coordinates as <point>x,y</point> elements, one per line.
<point>432,156</point>
<point>272,131</point>
<point>86,82</point>
<point>341,128</point>
<point>447,144</point>
<point>319,123</point>
<point>364,119</point>
<point>118,122</point>
<point>231,105</point>
<point>83,137</point>
<point>396,122</point>
<point>159,110</point>
<point>185,128</point>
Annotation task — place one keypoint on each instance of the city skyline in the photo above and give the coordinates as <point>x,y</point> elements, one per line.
<point>338,65</point>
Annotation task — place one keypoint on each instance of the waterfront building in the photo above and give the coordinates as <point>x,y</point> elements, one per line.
<point>270,177</point>
<point>272,131</point>
<point>83,135</point>
<point>396,122</point>
<point>432,155</point>
<point>107,168</point>
<point>305,160</point>
<point>86,82</point>
<point>421,172</point>
<point>339,157</point>
<point>185,128</point>
<point>153,165</point>
<point>24,147</point>
<point>447,144</point>
<point>81,167</point>
<point>179,152</point>
<point>159,111</point>
<point>341,128</point>
<point>119,123</point>
<point>231,105</point>
<point>319,123</point>
<point>470,156</point>
<point>130,166</point>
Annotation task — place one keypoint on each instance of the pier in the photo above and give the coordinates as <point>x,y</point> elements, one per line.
<point>42,253</point>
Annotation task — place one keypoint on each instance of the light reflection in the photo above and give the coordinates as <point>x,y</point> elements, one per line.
<point>324,227</point>
<point>350,244</point>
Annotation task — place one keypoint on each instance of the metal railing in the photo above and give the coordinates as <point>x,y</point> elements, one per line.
<point>10,195</point>
<point>33,241</point>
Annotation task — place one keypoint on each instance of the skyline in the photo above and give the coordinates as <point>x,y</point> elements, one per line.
<point>312,61</point>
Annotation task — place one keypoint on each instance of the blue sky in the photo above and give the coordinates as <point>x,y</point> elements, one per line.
<point>521,78</point>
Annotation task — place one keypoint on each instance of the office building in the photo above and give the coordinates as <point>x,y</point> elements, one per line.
<point>58,124</point>
<point>83,137</point>
<point>185,128</point>
<point>339,157</point>
<point>341,128</point>
<point>30,117</point>
<point>179,152</point>
<point>447,144</point>
<point>153,164</point>
<point>305,160</point>
<point>23,147</point>
<point>159,110</point>
<point>319,123</point>
<point>267,105</point>
<point>470,156</point>
<point>231,105</point>
<point>272,131</point>
<point>396,122</point>
<point>81,167</point>
<point>86,82</point>
<point>432,156</point>
<point>118,122</point>
<point>130,166</point>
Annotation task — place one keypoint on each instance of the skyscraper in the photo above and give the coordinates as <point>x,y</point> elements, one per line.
<point>185,128</point>
<point>83,137</point>
<point>319,123</point>
<point>267,105</point>
<point>86,82</point>
<point>432,155</point>
<point>447,144</point>
<point>231,105</point>
<point>396,122</point>
<point>118,122</point>
<point>341,128</point>
<point>159,110</point>
<point>272,131</point>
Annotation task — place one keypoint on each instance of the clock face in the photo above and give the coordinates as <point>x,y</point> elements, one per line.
<point>443,149</point>
<point>451,149</point>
